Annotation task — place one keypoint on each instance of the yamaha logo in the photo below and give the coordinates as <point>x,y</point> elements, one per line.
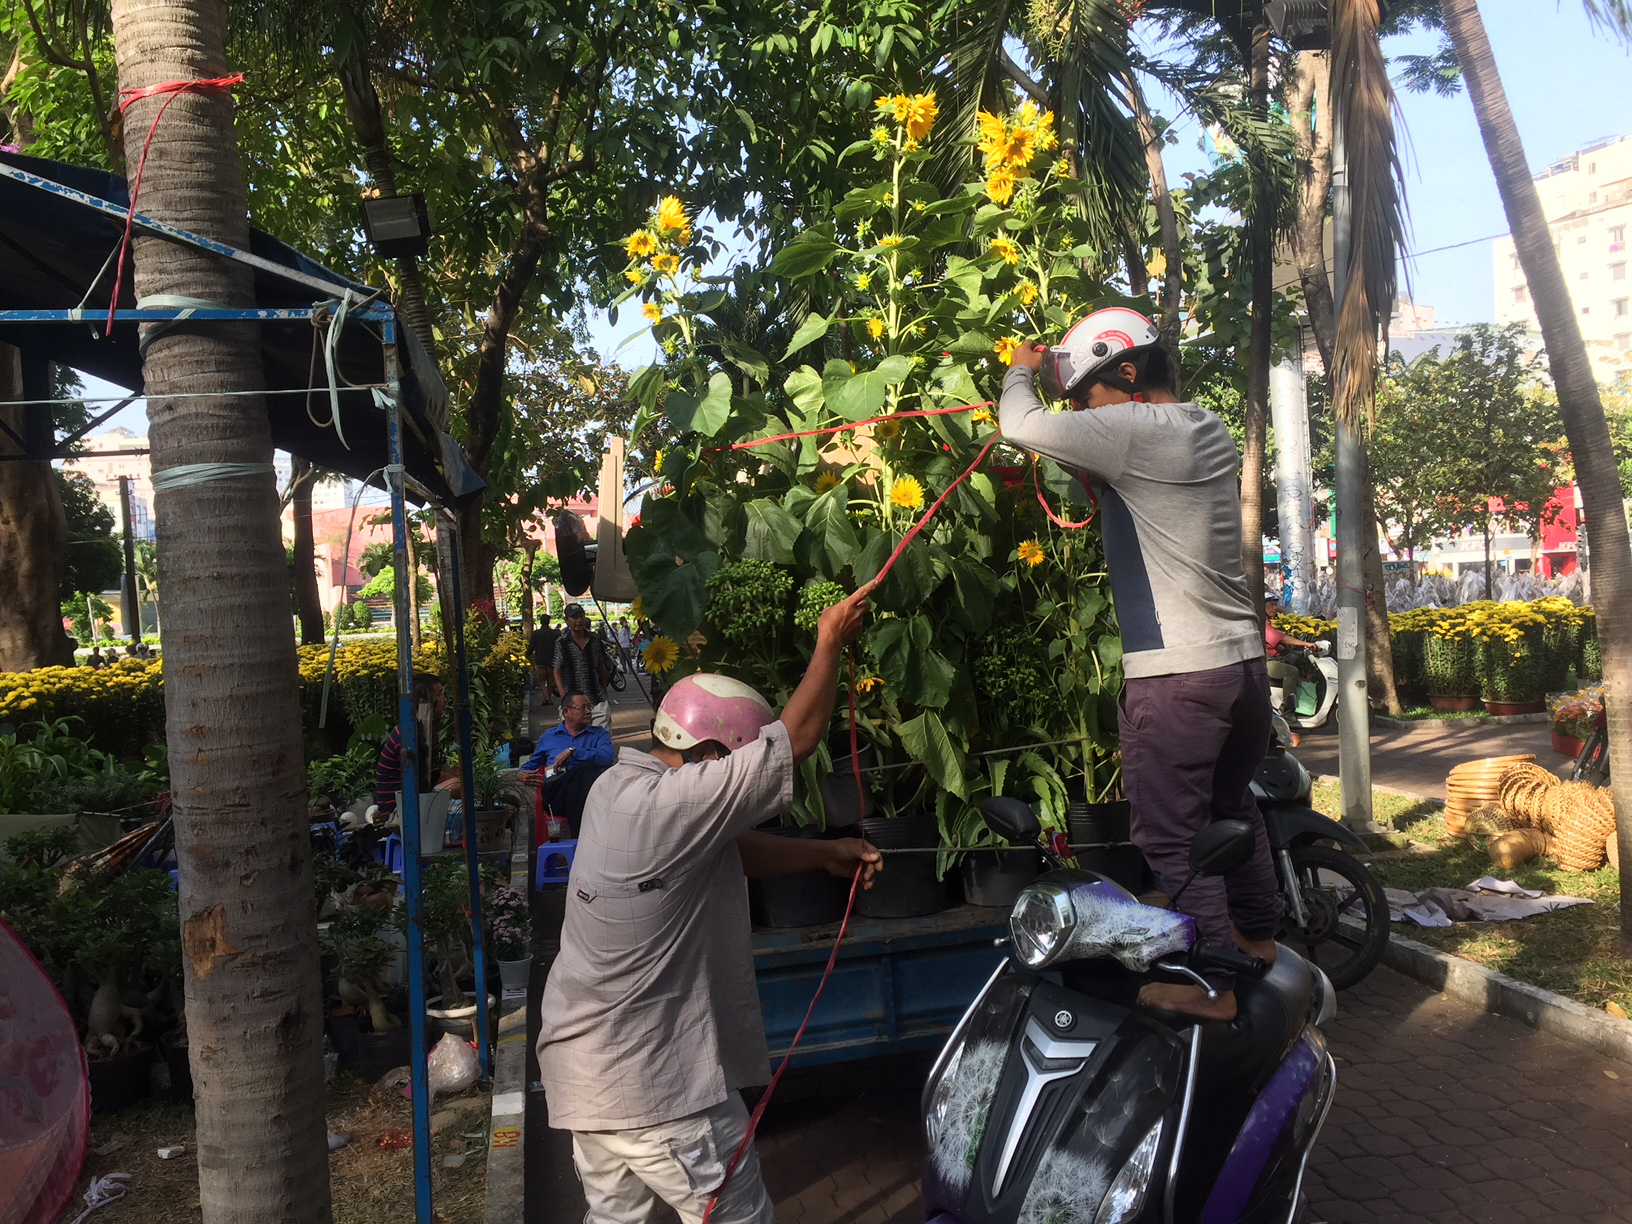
<point>1063,1019</point>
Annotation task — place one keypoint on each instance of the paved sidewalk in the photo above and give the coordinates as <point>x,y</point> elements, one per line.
<point>1416,760</point>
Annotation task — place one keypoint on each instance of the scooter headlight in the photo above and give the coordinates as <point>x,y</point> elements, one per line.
<point>1041,923</point>
<point>1126,1196</point>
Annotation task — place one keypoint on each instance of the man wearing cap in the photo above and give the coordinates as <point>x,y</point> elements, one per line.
<point>1194,714</point>
<point>650,1022</point>
<point>581,663</point>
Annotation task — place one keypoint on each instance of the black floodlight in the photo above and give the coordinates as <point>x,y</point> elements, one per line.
<point>398,226</point>
<point>1306,25</point>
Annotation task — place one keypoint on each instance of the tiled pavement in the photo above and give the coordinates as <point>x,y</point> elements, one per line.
<point>1443,1114</point>
<point>1416,759</point>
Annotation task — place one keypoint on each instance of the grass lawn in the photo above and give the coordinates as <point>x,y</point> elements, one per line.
<point>1425,713</point>
<point>1571,951</point>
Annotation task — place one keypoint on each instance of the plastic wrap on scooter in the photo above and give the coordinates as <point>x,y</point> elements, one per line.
<point>1111,923</point>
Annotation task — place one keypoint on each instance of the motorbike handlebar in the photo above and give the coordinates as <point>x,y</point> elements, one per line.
<point>1205,956</point>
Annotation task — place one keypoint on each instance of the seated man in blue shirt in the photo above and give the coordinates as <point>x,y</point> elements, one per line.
<point>569,758</point>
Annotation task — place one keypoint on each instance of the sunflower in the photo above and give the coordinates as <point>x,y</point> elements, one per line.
<point>1030,552</point>
<point>672,219</point>
<point>826,481</point>
<point>640,243</point>
<point>653,312</point>
<point>887,431</point>
<point>982,416</point>
<point>1005,247</point>
<point>638,609</point>
<point>635,276</point>
<point>1005,349</point>
<point>920,115</point>
<point>1027,292</point>
<point>1000,185</point>
<point>868,683</point>
<point>890,240</point>
<point>906,493</point>
<point>881,135</point>
<point>1062,168</point>
<point>666,264</point>
<point>875,328</point>
<point>660,655</point>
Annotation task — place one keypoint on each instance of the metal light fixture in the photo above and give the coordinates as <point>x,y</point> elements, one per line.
<point>398,226</point>
<point>1306,25</point>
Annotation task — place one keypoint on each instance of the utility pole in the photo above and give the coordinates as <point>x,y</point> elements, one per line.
<point>129,610</point>
<point>1353,706</point>
<point>1289,412</point>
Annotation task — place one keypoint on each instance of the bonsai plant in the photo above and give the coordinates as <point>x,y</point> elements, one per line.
<point>363,958</point>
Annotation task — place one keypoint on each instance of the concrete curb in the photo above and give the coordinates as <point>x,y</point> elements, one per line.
<point>1430,727</point>
<point>1502,995</point>
<point>506,1147</point>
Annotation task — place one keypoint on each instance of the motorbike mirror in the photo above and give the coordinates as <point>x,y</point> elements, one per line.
<point>1221,847</point>
<point>1011,819</point>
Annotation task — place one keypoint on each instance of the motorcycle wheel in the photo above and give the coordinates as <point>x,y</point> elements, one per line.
<point>618,681</point>
<point>1335,886</point>
<point>1593,763</point>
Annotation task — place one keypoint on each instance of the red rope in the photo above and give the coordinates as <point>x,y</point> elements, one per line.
<point>127,99</point>
<point>1037,483</point>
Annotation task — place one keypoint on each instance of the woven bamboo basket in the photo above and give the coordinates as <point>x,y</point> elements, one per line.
<point>1581,817</point>
<point>1473,785</point>
<point>1522,792</point>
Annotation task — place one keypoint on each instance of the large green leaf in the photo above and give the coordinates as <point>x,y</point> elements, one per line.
<point>672,555</point>
<point>910,581</point>
<point>807,254</point>
<point>706,415</point>
<point>914,671</point>
<point>859,396</point>
<point>804,388</point>
<point>925,738</point>
<point>830,531</point>
<point>813,328</point>
<point>772,532</point>
<point>975,595</point>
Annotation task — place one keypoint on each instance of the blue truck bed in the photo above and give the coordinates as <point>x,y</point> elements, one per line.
<point>899,984</point>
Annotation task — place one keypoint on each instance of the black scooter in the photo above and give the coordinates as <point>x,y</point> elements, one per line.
<point>1336,911</point>
<point>1057,1100</point>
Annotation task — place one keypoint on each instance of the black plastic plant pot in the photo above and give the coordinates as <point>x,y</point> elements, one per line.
<point>841,798</point>
<point>344,1028</point>
<point>173,1048</point>
<point>1106,828</point>
<point>805,898</point>
<point>995,878</point>
<point>378,1053</point>
<point>118,1082</point>
<point>907,887</point>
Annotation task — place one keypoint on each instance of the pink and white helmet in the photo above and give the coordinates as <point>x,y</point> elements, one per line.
<point>701,707</point>
<point>1096,342</point>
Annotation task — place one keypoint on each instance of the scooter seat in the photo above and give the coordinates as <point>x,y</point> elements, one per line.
<point>1271,1012</point>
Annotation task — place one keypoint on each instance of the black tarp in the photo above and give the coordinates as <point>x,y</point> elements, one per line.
<point>52,249</point>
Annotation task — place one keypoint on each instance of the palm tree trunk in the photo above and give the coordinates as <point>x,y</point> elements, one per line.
<point>254,1007</point>
<point>1168,320</point>
<point>1578,403</point>
<point>529,548</point>
<point>1261,236</point>
<point>308,608</point>
<point>33,537</point>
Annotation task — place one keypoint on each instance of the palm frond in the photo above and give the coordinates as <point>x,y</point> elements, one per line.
<point>1363,98</point>
<point>1615,15</point>
<point>974,82</point>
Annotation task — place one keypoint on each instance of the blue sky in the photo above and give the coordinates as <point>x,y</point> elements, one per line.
<point>1568,85</point>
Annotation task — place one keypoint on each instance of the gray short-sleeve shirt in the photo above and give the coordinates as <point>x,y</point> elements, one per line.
<point>651,1012</point>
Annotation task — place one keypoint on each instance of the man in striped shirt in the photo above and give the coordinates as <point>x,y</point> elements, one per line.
<point>581,664</point>
<point>430,702</point>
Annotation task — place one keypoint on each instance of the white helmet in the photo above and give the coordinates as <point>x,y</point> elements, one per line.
<point>1096,343</point>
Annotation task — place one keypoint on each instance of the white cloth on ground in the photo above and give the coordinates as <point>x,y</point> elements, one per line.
<point>1487,899</point>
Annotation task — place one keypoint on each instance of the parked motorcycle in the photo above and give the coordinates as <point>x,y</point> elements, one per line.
<point>1056,1098</point>
<point>1591,764</point>
<point>1317,691</point>
<point>1336,910</point>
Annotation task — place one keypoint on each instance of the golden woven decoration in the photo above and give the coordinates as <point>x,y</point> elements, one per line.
<point>1522,791</point>
<point>1473,785</point>
<point>1580,818</point>
<point>1517,846</point>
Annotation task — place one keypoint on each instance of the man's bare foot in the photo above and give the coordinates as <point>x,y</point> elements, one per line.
<point>1297,740</point>
<point>1188,1000</point>
<point>1264,949</point>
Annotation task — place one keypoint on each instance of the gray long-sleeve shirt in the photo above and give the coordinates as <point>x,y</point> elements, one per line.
<point>1169,507</point>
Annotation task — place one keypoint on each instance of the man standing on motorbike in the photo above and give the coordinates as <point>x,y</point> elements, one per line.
<point>1195,712</point>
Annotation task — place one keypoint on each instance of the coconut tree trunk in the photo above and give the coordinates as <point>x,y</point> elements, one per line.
<point>1168,321</point>
<point>1261,237</point>
<point>308,607</point>
<point>529,548</point>
<point>254,1008</point>
<point>33,539</point>
<point>1578,403</point>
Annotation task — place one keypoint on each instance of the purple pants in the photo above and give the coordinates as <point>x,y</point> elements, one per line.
<point>1190,746</point>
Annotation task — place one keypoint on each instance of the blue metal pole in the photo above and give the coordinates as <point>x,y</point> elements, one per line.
<point>468,779</point>
<point>408,809</point>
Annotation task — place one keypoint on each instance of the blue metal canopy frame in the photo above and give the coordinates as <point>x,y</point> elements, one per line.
<point>380,319</point>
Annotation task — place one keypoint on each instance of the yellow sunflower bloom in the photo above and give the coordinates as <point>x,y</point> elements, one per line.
<point>1000,184</point>
<point>868,683</point>
<point>982,416</point>
<point>668,265</point>
<point>1031,552</point>
<point>1028,293</point>
<point>635,276</point>
<point>1062,168</point>
<point>653,312</point>
<point>1005,349</point>
<point>890,240</point>
<point>920,116</point>
<point>638,609</point>
<point>906,493</point>
<point>660,655</point>
<point>1005,247</point>
<point>672,219</point>
<point>640,243</point>
<point>881,135</point>
<point>826,481</point>
<point>887,431</point>
<point>989,129</point>
<point>875,328</point>
<point>863,281</point>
